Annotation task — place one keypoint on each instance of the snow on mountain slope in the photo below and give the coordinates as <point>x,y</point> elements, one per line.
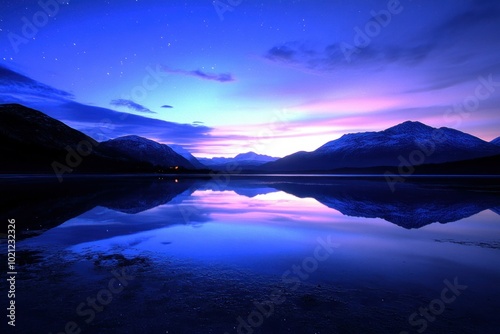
<point>249,159</point>
<point>408,140</point>
<point>188,156</point>
<point>143,149</point>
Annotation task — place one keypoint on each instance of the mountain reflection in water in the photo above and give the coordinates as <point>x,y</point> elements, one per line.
<point>40,205</point>
<point>204,251</point>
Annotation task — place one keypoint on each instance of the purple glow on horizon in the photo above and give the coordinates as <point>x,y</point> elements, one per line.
<point>270,77</point>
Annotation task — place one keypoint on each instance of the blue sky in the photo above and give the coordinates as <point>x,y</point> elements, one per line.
<point>274,77</point>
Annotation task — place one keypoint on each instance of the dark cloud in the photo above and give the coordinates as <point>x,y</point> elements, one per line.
<point>17,84</point>
<point>281,53</point>
<point>343,55</point>
<point>480,11</point>
<point>449,78</point>
<point>455,33</point>
<point>293,52</point>
<point>131,105</point>
<point>99,123</point>
<point>220,77</point>
<point>167,106</point>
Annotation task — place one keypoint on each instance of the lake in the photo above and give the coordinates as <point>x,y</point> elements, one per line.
<point>261,254</point>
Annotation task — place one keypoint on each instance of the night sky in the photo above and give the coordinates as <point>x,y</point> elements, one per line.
<point>275,77</point>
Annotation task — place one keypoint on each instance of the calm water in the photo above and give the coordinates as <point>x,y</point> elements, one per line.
<point>255,255</point>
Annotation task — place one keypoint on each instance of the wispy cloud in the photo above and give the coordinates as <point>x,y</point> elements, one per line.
<point>13,85</point>
<point>103,123</point>
<point>450,38</point>
<point>97,122</point>
<point>220,77</point>
<point>131,105</point>
<point>333,57</point>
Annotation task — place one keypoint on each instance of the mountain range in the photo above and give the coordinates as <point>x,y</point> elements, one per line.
<point>409,143</point>
<point>45,204</point>
<point>32,142</point>
<point>245,160</point>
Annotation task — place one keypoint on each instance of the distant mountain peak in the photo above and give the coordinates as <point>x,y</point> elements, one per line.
<point>410,127</point>
<point>387,148</point>
<point>31,141</point>
<point>496,141</point>
<point>249,153</point>
<point>143,149</point>
<point>248,159</point>
<point>133,138</point>
<point>252,156</point>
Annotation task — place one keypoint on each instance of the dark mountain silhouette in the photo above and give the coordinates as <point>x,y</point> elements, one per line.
<point>407,141</point>
<point>43,203</point>
<point>31,141</point>
<point>496,141</point>
<point>411,206</point>
<point>142,149</point>
<point>480,166</point>
<point>32,127</point>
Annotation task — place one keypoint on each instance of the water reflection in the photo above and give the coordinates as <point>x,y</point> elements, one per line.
<point>41,205</point>
<point>204,252</point>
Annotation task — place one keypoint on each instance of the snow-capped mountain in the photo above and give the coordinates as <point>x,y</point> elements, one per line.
<point>33,142</point>
<point>254,157</point>
<point>188,156</point>
<point>142,149</point>
<point>248,160</point>
<point>412,142</point>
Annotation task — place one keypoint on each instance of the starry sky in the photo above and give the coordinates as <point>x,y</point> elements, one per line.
<point>225,77</point>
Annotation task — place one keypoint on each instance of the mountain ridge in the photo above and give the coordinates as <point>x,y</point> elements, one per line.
<point>406,141</point>
<point>143,149</point>
<point>188,156</point>
<point>245,160</point>
<point>32,141</point>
